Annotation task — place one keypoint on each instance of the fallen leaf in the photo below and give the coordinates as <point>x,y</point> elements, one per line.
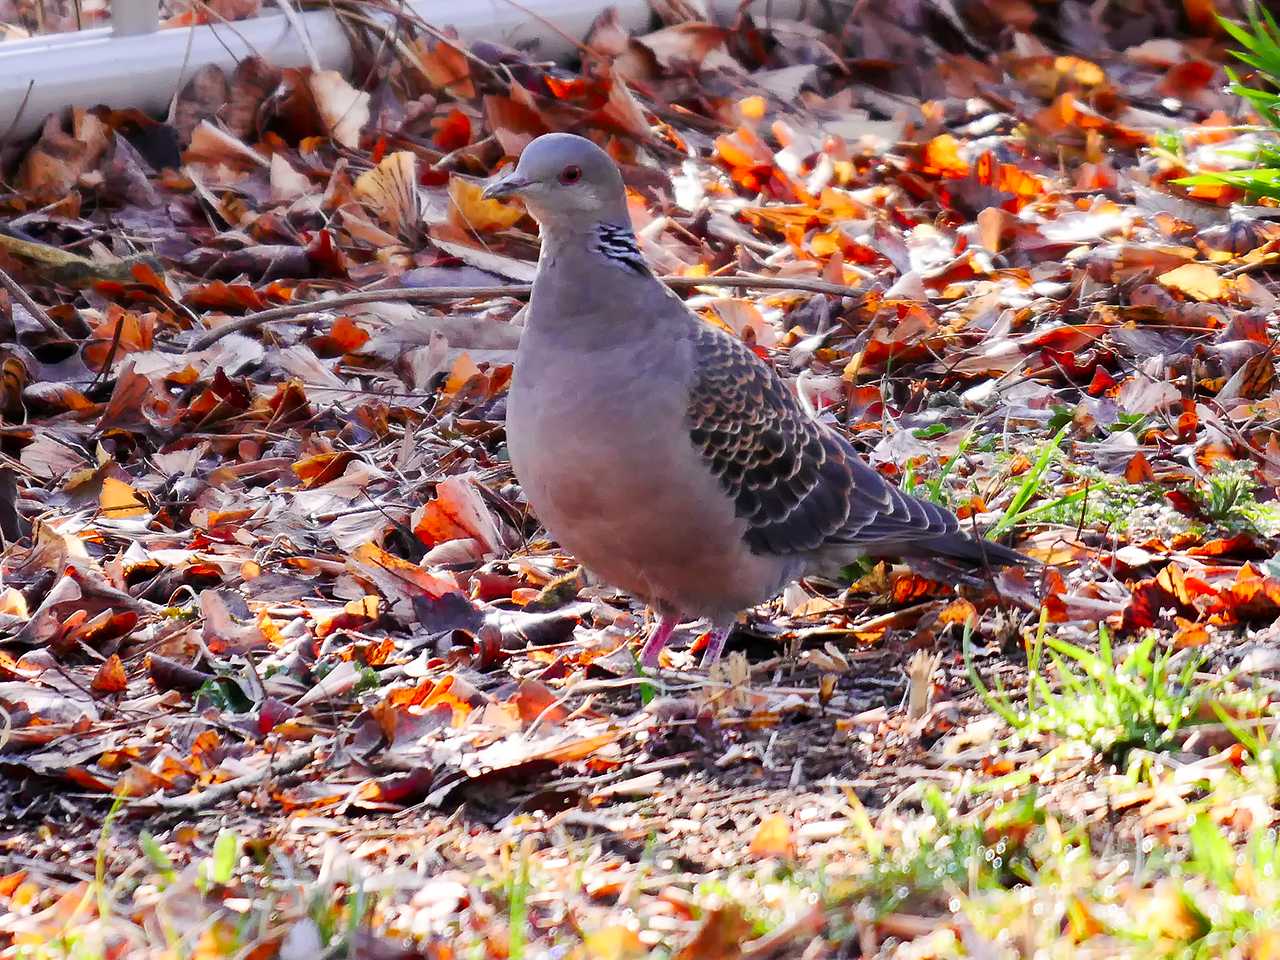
<point>390,192</point>
<point>469,210</point>
<point>110,677</point>
<point>118,500</point>
<point>774,838</point>
<point>1199,281</point>
<point>343,108</point>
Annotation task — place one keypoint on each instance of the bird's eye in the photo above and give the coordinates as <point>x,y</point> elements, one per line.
<point>570,174</point>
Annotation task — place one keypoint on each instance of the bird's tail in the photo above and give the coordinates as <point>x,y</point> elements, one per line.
<point>970,550</point>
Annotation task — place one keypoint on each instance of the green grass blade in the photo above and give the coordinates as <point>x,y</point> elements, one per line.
<point>1030,484</point>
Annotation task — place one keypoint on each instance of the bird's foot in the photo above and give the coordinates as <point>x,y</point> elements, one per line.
<point>657,640</point>
<point>715,646</point>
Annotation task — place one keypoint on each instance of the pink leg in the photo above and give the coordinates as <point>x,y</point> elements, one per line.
<point>653,646</point>
<point>715,646</point>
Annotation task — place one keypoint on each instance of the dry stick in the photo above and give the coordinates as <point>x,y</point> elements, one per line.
<point>518,290</point>
<point>31,306</point>
<point>194,802</point>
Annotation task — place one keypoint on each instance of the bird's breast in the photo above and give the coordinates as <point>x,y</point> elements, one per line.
<point>600,444</point>
<point>587,428</point>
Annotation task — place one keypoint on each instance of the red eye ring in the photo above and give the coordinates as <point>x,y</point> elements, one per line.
<point>570,174</point>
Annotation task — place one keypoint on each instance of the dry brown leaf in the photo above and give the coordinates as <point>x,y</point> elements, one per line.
<point>56,163</point>
<point>286,182</point>
<point>444,63</point>
<point>235,9</point>
<point>624,112</point>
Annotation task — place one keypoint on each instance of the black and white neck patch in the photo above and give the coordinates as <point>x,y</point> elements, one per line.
<point>619,245</point>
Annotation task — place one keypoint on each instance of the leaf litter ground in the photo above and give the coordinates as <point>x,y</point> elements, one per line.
<point>289,670</point>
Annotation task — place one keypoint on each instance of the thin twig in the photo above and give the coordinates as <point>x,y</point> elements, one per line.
<point>517,290</point>
<point>17,117</point>
<point>304,38</point>
<point>31,306</point>
<point>552,26</point>
<point>194,802</point>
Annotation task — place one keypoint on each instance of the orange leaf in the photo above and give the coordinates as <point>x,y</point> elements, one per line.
<point>614,943</point>
<point>1138,469</point>
<point>323,467</point>
<point>356,613</point>
<point>396,576</point>
<point>445,65</point>
<point>774,838</point>
<point>454,132</point>
<point>10,882</point>
<point>219,295</point>
<point>1213,454</point>
<point>578,749</point>
<point>134,333</point>
<point>534,698</point>
<point>345,337</point>
<point>110,677</point>
<point>1203,19</point>
<point>1189,634</point>
<point>463,371</point>
<point>118,499</point>
<point>942,157</point>
<point>958,611</point>
<point>457,512</point>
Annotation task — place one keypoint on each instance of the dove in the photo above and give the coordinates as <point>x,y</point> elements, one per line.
<point>662,452</point>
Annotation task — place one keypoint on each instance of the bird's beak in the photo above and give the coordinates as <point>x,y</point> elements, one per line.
<point>507,186</point>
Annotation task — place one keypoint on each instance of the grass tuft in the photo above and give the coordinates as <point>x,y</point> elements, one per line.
<point>1260,39</point>
<point>1140,702</point>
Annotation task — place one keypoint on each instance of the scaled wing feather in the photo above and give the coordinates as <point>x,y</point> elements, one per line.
<point>798,484</point>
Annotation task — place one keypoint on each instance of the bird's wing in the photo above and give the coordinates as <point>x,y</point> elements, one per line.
<point>798,484</point>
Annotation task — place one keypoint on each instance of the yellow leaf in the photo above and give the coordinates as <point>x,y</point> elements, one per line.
<point>752,108</point>
<point>614,943</point>
<point>1199,281</point>
<point>366,606</point>
<point>13,603</point>
<point>1265,946</point>
<point>390,192</point>
<point>118,499</point>
<point>942,156</point>
<point>1084,72</point>
<point>469,210</point>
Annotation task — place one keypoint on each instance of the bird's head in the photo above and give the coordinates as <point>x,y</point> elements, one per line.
<point>565,179</point>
